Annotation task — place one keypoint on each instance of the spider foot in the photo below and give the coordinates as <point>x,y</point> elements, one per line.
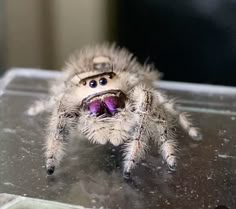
<point>127,175</point>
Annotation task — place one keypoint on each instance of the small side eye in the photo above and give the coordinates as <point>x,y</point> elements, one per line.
<point>84,83</point>
<point>93,84</point>
<point>110,76</point>
<point>103,81</point>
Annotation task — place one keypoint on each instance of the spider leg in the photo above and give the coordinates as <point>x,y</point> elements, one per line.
<point>40,106</point>
<point>134,151</point>
<point>136,146</point>
<point>182,117</point>
<point>167,146</point>
<point>168,150</point>
<point>47,104</point>
<point>152,122</point>
<point>60,125</point>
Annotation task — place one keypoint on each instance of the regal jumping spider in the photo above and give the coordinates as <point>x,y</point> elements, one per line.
<point>108,96</point>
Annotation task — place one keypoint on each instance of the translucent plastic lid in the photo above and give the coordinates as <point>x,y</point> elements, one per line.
<point>90,175</point>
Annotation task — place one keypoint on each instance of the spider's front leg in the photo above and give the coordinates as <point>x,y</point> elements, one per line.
<point>151,123</point>
<point>136,146</point>
<point>62,121</point>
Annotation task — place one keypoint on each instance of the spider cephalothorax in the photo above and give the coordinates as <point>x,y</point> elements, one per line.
<point>102,94</point>
<point>108,96</point>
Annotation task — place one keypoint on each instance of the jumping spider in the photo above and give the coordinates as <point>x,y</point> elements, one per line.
<point>108,96</point>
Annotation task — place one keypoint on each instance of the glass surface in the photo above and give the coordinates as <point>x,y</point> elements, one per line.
<point>8,201</point>
<point>90,175</point>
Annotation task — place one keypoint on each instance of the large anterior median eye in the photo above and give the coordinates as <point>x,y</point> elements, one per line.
<point>93,84</point>
<point>103,81</point>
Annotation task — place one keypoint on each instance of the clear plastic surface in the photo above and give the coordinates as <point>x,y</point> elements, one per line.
<point>90,175</point>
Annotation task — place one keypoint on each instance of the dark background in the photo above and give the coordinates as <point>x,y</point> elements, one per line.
<point>193,41</point>
<point>187,40</point>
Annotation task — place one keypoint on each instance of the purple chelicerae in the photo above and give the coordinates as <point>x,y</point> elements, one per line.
<point>109,105</point>
<point>96,107</point>
<point>113,103</point>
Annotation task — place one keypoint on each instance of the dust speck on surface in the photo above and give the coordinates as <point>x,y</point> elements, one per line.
<point>226,140</point>
<point>8,184</point>
<point>9,130</point>
<point>233,118</point>
<point>226,156</point>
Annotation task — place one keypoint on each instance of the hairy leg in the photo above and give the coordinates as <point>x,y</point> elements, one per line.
<point>40,106</point>
<point>167,145</point>
<point>165,137</point>
<point>150,110</point>
<point>136,146</point>
<point>183,118</point>
<point>168,152</point>
<point>47,104</point>
<point>60,125</point>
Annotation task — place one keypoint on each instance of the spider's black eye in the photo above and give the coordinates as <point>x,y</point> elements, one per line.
<point>110,76</point>
<point>93,84</point>
<point>103,81</point>
<point>84,83</point>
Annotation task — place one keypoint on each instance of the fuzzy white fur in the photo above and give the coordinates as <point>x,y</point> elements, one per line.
<point>147,115</point>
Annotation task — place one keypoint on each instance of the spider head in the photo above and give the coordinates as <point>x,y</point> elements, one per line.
<point>97,82</point>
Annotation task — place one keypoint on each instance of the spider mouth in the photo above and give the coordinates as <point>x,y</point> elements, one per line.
<point>106,103</point>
